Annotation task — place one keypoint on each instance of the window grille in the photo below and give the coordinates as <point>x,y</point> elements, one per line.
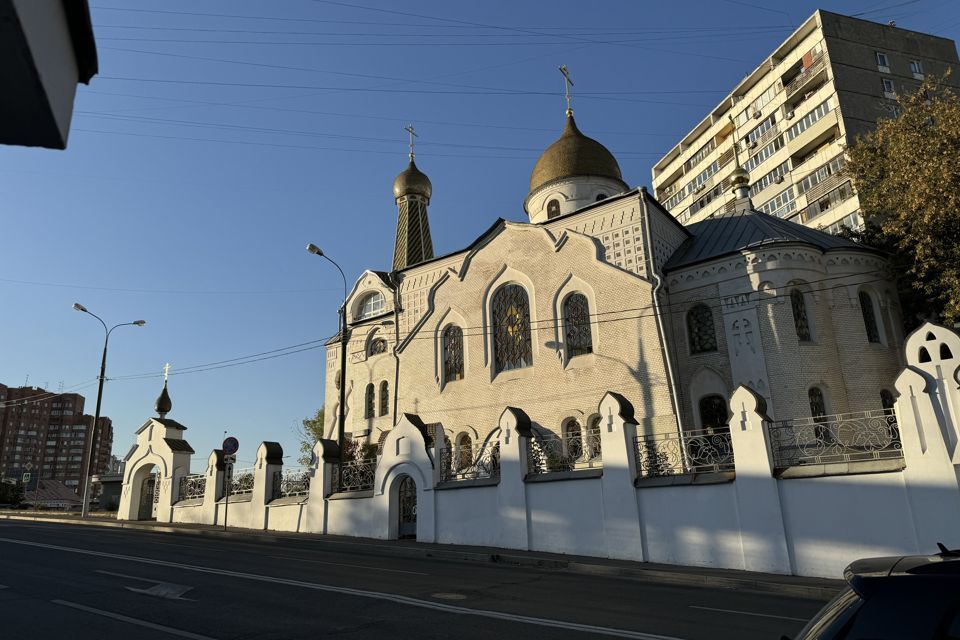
<point>452,353</point>
<point>713,413</point>
<point>800,320</point>
<point>553,209</point>
<point>511,328</point>
<point>579,336</point>
<point>818,406</point>
<point>701,330</point>
<point>869,317</point>
<point>378,346</point>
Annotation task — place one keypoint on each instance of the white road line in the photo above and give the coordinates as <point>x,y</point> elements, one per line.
<point>749,613</point>
<point>141,623</point>
<point>413,602</point>
<point>342,564</point>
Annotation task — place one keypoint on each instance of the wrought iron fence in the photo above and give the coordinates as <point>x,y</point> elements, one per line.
<point>291,482</point>
<point>242,481</point>
<point>843,437</point>
<point>667,454</point>
<point>192,486</point>
<point>462,463</point>
<point>550,453</point>
<point>354,475</point>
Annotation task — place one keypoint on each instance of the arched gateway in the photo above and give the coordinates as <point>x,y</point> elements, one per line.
<point>407,512</point>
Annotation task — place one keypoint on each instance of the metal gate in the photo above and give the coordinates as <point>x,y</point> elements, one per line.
<point>149,496</point>
<point>408,508</point>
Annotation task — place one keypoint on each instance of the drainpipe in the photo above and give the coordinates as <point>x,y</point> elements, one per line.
<point>396,343</point>
<point>657,312</point>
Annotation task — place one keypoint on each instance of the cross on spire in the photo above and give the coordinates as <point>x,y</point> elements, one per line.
<point>413,134</point>
<point>166,372</point>
<point>567,83</point>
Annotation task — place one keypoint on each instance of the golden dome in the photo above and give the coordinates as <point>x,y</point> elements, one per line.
<point>574,154</point>
<point>739,176</point>
<point>412,181</point>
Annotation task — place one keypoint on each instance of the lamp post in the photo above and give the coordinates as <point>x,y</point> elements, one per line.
<point>341,409</point>
<point>85,507</point>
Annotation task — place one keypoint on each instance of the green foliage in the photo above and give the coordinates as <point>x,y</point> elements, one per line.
<point>310,433</point>
<point>907,175</point>
<point>11,494</point>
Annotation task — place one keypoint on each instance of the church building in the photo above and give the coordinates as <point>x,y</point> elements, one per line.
<point>601,290</point>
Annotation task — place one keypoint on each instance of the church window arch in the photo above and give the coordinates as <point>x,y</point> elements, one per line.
<point>553,209</point>
<point>573,438</point>
<point>452,353</point>
<point>370,305</point>
<point>510,310</point>
<point>801,321</point>
<point>869,313</point>
<point>701,331</point>
<point>578,332</point>
<point>384,398</point>
<point>369,402</point>
<point>463,455</point>
<point>818,403</point>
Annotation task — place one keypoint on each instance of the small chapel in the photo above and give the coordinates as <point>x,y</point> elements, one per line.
<point>601,290</point>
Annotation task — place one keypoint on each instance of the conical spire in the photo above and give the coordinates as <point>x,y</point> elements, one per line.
<point>412,191</point>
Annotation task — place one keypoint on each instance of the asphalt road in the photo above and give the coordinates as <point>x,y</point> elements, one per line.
<point>79,582</point>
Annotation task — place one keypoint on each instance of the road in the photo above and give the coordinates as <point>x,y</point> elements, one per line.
<point>82,582</point>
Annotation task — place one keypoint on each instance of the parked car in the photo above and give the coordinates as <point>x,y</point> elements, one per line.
<point>897,598</point>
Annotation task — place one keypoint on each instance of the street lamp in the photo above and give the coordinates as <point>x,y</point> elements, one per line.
<point>85,507</point>
<point>341,411</point>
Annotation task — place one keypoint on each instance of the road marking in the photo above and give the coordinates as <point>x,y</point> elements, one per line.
<point>749,613</point>
<point>356,566</point>
<point>142,623</point>
<point>448,596</point>
<point>160,589</point>
<point>376,595</point>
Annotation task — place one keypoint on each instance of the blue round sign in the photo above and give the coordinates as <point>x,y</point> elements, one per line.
<point>231,445</point>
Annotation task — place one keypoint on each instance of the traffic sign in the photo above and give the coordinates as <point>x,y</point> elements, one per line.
<point>28,466</point>
<point>26,478</point>
<point>230,445</point>
<point>229,458</point>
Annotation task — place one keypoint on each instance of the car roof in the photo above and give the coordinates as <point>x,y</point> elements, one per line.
<point>861,573</point>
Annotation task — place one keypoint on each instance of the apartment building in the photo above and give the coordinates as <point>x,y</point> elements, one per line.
<point>794,115</point>
<point>47,434</point>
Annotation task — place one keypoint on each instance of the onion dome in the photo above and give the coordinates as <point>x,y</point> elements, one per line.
<point>412,181</point>
<point>164,404</point>
<point>574,154</point>
<point>739,177</point>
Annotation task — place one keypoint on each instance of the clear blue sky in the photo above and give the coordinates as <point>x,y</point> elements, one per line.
<point>193,181</point>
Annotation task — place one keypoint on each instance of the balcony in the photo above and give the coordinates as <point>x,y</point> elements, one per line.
<point>804,78</point>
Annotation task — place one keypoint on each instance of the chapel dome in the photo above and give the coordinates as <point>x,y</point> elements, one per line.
<point>412,181</point>
<point>574,154</point>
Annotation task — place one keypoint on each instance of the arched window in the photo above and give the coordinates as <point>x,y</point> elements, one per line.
<point>869,317</point>
<point>945,353</point>
<point>924,355</point>
<point>886,401</point>
<point>577,331</point>
<point>573,439</point>
<point>370,305</point>
<point>511,328</point>
<point>384,398</point>
<point>369,402</point>
<point>452,353</point>
<point>713,413</point>
<point>700,329</point>
<point>553,209</point>
<point>463,456</point>
<point>377,346</point>
<point>800,321</point>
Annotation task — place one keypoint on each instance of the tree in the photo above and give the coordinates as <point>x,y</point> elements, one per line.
<point>309,433</point>
<point>907,174</point>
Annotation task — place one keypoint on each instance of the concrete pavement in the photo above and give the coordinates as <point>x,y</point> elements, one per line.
<point>88,582</point>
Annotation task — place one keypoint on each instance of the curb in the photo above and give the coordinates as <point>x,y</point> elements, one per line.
<point>823,591</point>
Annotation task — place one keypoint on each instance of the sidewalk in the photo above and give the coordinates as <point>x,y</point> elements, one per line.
<point>814,588</point>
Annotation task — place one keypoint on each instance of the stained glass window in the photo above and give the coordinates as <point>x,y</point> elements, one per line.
<point>369,402</point>
<point>713,413</point>
<point>452,353</point>
<point>700,329</point>
<point>576,315</point>
<point>384,398</point>
<point>511,328</point>
<point>800,320</point>
<point>378,345</point>
<point>869,317</point>
<point>818,406</point>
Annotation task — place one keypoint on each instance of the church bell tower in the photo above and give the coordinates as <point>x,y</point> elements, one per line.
<point>412,190</point>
